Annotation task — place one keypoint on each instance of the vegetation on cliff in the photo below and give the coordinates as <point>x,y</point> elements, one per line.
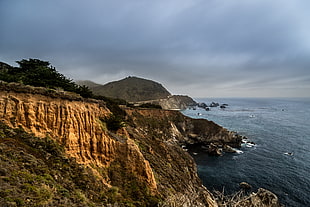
<point>40,73</point>
<point>37,172</point>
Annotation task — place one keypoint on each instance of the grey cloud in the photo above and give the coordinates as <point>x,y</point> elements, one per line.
<point>185,43</point>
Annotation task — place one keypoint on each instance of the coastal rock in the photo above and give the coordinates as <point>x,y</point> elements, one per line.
<point>202,105</point>
<point>229,149</point>
<point>214,104</point>
<point>245,186</point>
<point>215,150</point>
<point>263,198</point>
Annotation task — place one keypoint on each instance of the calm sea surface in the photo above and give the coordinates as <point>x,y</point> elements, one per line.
<point>278,127</point>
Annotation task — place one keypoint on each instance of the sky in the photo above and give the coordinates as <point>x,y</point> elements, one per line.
<point>201,48</point>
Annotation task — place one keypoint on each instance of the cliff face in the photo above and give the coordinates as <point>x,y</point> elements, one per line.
<point>142,159</point>
<point>77,126</point>
<point>74,124</point>
<point>184,130</point>
<point>160,134</point>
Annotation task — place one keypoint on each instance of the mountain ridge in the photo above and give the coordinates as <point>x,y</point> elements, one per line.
<point>140,91</point>
<point>131,89</point>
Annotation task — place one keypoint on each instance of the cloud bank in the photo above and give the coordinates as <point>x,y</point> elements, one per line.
<point>198,47</point>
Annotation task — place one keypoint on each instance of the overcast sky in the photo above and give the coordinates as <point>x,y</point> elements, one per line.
<point>202,48</point>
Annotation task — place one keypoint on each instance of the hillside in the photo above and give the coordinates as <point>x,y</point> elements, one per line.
<point>38,172</point>
<point>131,89</point>
<point>140,91</point>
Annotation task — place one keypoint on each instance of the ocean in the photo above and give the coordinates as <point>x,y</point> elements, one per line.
<point>280,159</point>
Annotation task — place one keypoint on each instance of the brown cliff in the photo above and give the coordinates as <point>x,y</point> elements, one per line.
<point>76,125</point>
<point>144,158</point>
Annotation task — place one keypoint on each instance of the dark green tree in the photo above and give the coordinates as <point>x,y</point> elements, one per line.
<point>40,73</point>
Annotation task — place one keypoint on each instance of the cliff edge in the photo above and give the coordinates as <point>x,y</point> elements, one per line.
<point>142,162</point>
<point>126,158</point>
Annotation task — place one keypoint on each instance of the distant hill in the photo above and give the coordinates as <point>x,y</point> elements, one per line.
<point>132,89</point>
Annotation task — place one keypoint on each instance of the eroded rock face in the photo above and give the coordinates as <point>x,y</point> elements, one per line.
<point>147,152</point>
<point>76,125</point>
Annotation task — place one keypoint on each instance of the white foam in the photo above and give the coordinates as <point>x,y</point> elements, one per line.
<point>239,151</point>
<point>249,145</point>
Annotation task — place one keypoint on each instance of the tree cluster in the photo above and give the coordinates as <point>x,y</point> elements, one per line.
<point>40,73</point>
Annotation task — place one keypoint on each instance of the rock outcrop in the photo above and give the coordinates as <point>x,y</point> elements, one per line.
<point>173,102</point>
<point>263,198</point>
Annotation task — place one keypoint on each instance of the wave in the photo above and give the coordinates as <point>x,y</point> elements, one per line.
<point>239,151</point>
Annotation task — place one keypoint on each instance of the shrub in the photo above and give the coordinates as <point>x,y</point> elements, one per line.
<point>113,122</point>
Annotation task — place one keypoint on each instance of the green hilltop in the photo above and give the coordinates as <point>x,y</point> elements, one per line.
<point>132,89</point>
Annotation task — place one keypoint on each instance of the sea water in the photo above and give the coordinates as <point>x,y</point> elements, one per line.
<point>280,159</point>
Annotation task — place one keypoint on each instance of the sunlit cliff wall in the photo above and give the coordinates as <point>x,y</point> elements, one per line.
<point>75,124</point>
<point>147,150</point>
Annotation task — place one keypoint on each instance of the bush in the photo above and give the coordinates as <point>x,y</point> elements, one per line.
<point>149,105</point>
<point>113,122</point>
